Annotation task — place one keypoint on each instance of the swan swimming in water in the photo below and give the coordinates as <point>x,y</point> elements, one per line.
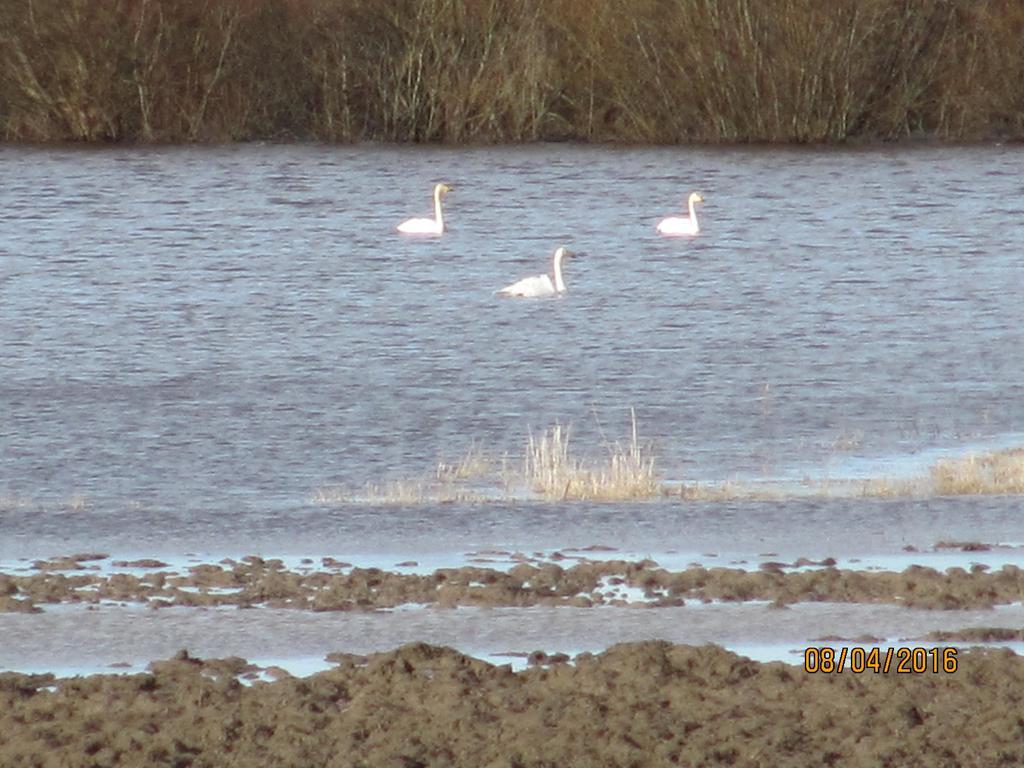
<point>541,285</point>
<point>434,226</point>
<point>677,225</point>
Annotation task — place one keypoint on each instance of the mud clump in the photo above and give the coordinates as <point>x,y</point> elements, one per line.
<point>977,635</point>
<point>964,546</point>
<point>257,582</point>
<point>18,605</point>
<point>542,659</point>
<point>146,562</point>
<point>67,563</point>
<point>643,704</point>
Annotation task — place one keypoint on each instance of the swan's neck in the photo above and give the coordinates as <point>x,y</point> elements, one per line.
<point>559,282</point>
<point>438,216</point>
<point>693,214</point>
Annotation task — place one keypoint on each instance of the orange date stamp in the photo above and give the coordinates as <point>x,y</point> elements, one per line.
<point>903,660</point>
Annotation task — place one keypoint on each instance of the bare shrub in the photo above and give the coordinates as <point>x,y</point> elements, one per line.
<point>510,70</point>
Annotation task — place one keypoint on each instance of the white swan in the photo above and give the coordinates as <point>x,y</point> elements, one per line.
<point>434,226</point>
<point>677,225</point>
<point>541,285</point>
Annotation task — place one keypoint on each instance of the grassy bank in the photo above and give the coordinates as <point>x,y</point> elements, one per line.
<point>510,70</point>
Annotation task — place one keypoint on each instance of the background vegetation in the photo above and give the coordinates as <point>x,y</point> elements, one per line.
<point>510,70</point>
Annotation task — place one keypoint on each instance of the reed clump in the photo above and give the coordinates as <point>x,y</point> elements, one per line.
<point>997,472</point>
<point>552,471</point>
<point>456,71</point>
<point>549,470</point>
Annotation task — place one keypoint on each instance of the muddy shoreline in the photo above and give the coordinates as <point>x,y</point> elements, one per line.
<point>646,703</point>
<point>338,586</point>
<point>639,704</point>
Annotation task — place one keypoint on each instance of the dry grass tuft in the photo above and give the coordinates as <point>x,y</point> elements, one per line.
<point>730,490</point>
<point>985,473</point>
<point>398,493</point>
<point>331,494</point>
<point>474,465</point>
<point>77,502</point>
<point>881,487</point>
<point>553,472</point>
<point>448,485</point>
<point>548,466</point>
<point>738,490</point>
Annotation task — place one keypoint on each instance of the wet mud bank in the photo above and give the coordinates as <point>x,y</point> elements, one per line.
<point>639,704</point>
<point>337,586</point>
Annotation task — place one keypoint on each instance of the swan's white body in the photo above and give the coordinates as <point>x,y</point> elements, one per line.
<point>434,226</point>
<point>540,285</point>
<point>677,225</point>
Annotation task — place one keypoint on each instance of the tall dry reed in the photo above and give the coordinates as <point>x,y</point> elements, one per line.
<point>552,470</point>
<point>998,472</point>
<point>510,70</point>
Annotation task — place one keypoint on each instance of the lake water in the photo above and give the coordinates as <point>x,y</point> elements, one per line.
<point>194,342</point>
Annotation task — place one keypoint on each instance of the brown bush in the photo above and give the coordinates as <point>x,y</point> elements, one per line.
<point>510,70</point>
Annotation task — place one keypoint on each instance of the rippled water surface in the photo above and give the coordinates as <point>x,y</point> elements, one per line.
<point>204,334</point>
<point>197,343</point>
